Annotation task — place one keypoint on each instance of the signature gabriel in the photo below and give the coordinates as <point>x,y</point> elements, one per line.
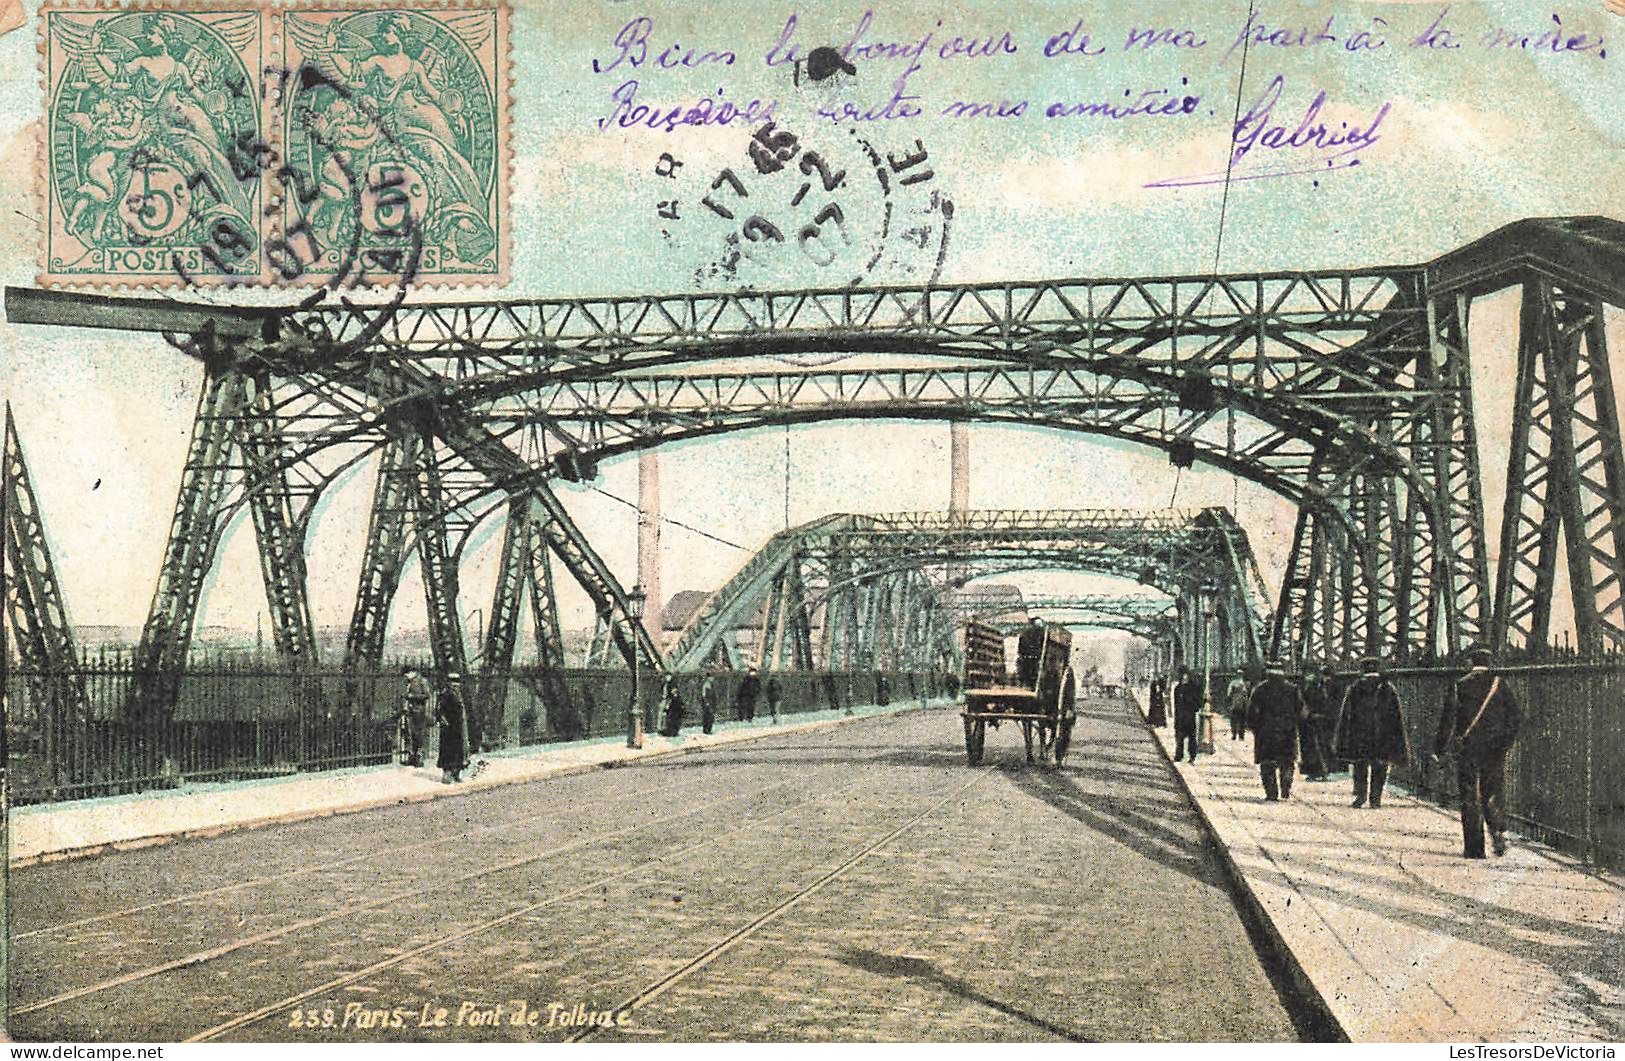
<point>1258,127</point>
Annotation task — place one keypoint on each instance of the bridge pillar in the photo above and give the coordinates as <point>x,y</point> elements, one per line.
<point>649,539</point>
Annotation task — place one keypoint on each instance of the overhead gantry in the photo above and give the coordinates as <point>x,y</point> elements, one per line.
<point>1151,618</point>
<point>853,592</point>
<point>1347,391</point>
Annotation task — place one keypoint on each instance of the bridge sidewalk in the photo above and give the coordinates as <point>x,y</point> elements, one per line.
<point>47,832</point>
<point>1376,914</point>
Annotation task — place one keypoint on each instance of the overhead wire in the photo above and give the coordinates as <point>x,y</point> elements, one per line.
<point>674,522</point>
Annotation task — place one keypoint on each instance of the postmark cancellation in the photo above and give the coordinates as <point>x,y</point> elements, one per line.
<point>346,145</point>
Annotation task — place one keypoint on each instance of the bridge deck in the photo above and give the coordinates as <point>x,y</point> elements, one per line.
<point>850,883</point>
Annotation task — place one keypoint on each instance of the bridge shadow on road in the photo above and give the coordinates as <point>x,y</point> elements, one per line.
<point>1115,784</point>
<point>908,967</point>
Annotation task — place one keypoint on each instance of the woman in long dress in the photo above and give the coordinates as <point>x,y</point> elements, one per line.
<point>449,713</point>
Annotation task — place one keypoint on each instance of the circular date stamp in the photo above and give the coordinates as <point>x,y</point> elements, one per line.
<point>795,210</point>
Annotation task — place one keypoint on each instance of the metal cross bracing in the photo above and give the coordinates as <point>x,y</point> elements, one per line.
<point>1153,619</point>
<point>1347,390</point>
<point>37,627</point>
<point>875,590</point>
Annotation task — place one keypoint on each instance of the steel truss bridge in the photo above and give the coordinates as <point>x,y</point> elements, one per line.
<point>850,592</point>
<point>1154,619</point>
<point>1347,391</point>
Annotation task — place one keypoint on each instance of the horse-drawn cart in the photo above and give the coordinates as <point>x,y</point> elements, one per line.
<point>1042,699</point>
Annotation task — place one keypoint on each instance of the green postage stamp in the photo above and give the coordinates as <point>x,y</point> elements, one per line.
<point>346,146</point>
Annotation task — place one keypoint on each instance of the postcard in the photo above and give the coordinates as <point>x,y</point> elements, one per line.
<point>664,521</point>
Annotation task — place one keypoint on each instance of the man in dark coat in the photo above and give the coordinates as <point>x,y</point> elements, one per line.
<point>1480,721</point>
<point>1157,714</point>
<point>750,687</point>
<point>1187,705</point>
<point>1236,697</point>
<point>1312,736</point>
<point>1029,653</point>
<point>674,707</point>
<point>708,701</point>
<point>775,696</point>
<point>1273,714</point>
<point>1371,732</point>
<point>449,713</point>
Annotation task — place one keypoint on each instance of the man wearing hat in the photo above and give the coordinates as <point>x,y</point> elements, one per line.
<point>1273,714</point>
<point>1480,721</point>
<point>1371,732</point>
<point>1187,705</point>
<point>415,715</point>
<point>449,713</point>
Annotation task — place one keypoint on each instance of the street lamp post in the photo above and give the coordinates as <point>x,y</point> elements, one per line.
<point>634,716</point>
<point>1209,610</point>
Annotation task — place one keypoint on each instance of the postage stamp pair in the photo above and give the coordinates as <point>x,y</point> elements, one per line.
<point>350,145</point>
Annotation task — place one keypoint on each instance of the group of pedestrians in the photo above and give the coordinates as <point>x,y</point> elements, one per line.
<point>1293,725</point>
<point>449,716</point>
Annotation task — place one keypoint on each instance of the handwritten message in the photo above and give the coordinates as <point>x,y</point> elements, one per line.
<point>881,70</point>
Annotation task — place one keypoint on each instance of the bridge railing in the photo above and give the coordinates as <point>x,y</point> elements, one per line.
<point>236,720</point>
<point>1566,773</point>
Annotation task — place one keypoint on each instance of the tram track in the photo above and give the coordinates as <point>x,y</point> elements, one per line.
<point>212,953</point>
<point>742,934</point>
<point>371,854</point>
<point>283,1004</point>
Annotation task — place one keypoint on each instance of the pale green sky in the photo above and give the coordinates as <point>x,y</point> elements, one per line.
<point>1473,138</point>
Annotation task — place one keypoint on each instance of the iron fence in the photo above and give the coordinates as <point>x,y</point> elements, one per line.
<point>83,734</point>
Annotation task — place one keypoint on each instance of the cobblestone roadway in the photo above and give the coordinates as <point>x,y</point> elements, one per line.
<point>1032,905</point>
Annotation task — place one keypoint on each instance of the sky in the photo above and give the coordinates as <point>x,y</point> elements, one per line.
<point>1470,138</point>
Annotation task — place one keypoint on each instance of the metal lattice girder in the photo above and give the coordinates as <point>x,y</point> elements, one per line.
<point>1565,477</point>
<point>523,564</point>
<point>1148,617</point>
<point>40,632</point>
<point>1320,357</point>
<point>189,553</point>
<point>394,500</point>
<point>277,526</point>
<point>881,575</point>
<point>1461,605</point>
<point>440,583</point>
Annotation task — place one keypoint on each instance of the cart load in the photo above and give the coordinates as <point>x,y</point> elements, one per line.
<point>1040,696</point>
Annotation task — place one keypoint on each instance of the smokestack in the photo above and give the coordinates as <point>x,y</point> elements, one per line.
<point>649,540</point>
<point>958,467</point>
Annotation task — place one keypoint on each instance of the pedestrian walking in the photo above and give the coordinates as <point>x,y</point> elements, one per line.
<point>775,695</point>
<point>750,687</point>
<point>1187,704</point>
<point>1236,697</point>
<point>453,744</point>
<point>1479,722</point>
<point>1157,714</point>
<point>708,701</point>
<point>415,715</point>
<point>1371,732</point>
<point>1274,714</point>
<point>882,689</point>
<point>674,707</point>
<point>1313,758</point>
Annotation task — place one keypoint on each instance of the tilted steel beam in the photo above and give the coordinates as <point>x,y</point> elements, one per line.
<point>39,632</point>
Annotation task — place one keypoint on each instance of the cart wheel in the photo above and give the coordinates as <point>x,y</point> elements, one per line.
<point>1067,711</point>
<point>975,737</point>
